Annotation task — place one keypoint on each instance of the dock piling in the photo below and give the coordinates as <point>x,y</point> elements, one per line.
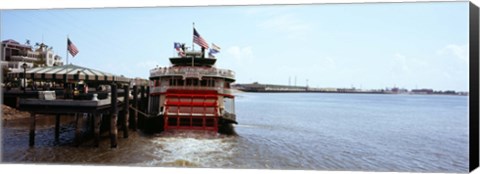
<point>142,98</point>
<point>97,118</point>
<point>57,127</point>
<point>147,104</point>
<point>126,112</point>
<point>32,129</point>
<point>113,117</point>
<point>135,105</point>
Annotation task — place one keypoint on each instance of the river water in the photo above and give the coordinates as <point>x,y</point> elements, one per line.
<point>341,132</point>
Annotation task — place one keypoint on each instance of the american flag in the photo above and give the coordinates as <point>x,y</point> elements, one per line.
<point>72,48</point>
<point>198,39</point>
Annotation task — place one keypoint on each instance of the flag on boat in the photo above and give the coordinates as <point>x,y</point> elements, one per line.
<point>214,50</point>
<point>179,49</point>
<point>198,39</point>
<point>71,48</point>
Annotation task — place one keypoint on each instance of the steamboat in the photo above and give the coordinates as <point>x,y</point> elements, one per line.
<point>192,94</point>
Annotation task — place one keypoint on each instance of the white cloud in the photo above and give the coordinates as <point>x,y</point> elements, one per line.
<point>287,24</point>
<point>240,53</point>
<point>118,69</point>
<point>447,75</point>
<point>443,70</point>
<point>320,65</point>
<point>280,20</point>
<point>400,61</point>
<point>149,64</point>
<point>330,63</point>
<point>459,51</point>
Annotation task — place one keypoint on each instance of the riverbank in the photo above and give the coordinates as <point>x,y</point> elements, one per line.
<point>9,113</point>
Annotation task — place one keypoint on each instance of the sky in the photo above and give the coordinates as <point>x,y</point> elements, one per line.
<point>367,46</point>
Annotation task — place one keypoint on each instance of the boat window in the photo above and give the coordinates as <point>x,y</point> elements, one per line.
<point>207,82</point>
<point>180,82</point>
<point>204,82</point>
<point>192,82</point>
<point>176,82</point>
<point>195,82</point>
<point>212,83</point>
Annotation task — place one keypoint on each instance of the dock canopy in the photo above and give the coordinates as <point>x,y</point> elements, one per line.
<point>68,73</point>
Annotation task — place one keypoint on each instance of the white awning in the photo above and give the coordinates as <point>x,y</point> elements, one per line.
<point>68,73</point>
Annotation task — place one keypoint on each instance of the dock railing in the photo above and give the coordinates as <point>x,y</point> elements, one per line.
<point>163,89</point>
<point>191,72</point>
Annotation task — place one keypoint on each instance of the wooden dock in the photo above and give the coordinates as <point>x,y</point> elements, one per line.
<point>114,108</point>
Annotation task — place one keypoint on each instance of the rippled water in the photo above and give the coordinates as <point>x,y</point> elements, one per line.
<point>355,132</point>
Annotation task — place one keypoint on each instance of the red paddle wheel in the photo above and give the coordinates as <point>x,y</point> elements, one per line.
<point>191,109</point>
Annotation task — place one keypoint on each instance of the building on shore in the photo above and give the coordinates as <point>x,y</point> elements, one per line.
<point>422,91</point>
<point>14,55</point>
<point>139,81</point>
<point>396,90</point>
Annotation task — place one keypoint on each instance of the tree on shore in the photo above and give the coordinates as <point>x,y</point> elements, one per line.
<point>40,48</point>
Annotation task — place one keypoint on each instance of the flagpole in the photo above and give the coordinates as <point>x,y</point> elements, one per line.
<point>193,46</point>
<point>67,50</point>
<point>65,85</point>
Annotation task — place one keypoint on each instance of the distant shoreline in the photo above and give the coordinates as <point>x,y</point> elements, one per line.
<point>270,88</point>
<point>331,92</point>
